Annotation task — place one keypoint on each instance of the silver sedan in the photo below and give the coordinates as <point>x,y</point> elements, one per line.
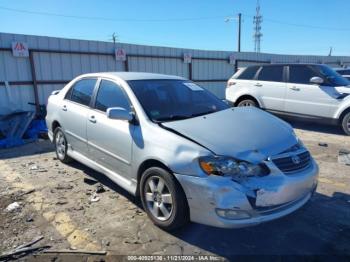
<point>187,154</point>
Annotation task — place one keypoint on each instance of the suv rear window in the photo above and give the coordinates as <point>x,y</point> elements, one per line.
<point>248,73</point>
<point>271,73</point>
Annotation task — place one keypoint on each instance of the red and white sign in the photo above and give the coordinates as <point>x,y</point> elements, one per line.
<point>120,54</point>
<point>232,59</point>
<point>20,49</point>
<point>187,58</point>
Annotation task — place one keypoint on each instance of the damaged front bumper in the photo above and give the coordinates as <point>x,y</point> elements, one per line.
<point>222,202</point>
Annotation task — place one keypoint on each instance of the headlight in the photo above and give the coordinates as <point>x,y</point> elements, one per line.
<point>300,143</point>
<point>228,166</point>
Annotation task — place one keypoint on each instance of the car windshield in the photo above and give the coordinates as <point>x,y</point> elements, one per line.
<point>170,100</point>
<point>332,76</point>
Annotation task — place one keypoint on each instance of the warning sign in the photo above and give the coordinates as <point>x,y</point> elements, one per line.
<point>120,54</point>
<point>20,49</point>
<point>187,58</point>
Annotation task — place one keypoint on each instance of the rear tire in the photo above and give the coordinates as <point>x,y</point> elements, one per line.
<point>163,199</point>
<point>61,145</point>
<point>345,123</point>
<point>247,102</point>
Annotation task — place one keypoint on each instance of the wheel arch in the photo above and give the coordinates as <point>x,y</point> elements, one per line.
<point>147,164</point>
<point>247,96</point>
<point>343,113</point>
<point>54,125</point>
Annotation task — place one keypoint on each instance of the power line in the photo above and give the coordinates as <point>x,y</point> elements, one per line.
<point>110,19</point>
<point>165,19</point>
<point>300,25</point>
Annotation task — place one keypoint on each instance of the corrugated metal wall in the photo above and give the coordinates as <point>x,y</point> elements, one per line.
<point>209,68</point>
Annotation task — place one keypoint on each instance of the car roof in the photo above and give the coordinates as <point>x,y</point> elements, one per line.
<point>286,64</point>
<point>132,75</point>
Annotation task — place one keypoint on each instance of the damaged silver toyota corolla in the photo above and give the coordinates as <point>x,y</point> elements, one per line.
<point>187,154</point>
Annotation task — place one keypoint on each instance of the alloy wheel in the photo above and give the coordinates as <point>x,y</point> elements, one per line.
<point>247,102</point>
<point>60,145</point>
<point>158,198</point>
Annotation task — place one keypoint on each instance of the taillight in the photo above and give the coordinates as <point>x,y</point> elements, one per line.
<point>229,84</point>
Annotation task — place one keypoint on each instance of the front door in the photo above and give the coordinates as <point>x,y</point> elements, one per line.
<point>308,99</point>
<point>110,140</point>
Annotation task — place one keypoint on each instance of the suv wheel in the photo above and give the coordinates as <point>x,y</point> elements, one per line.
<point>60,142</point>
<point>163,199</point>
<point>247,102</point>
<point>346,123</point>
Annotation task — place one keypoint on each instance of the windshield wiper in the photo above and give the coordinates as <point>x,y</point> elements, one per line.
<point>203,113</point>
<point>171,118</point>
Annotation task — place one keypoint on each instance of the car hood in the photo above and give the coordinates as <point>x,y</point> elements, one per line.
<point>244,133</point>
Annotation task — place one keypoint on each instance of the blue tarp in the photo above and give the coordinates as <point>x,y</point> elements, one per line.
<point>19,128</point>
<point>36,127</point>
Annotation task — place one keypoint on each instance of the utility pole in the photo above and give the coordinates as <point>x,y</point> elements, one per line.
<point>330,51</point>
<point>239,18</point>
<point>114,38</point>
<point>239,31</point>
<point>257,28</point>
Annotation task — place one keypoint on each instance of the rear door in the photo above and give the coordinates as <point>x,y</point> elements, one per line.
<point>110,140</point>
<point>271,87</point>
<point>305,98</point>
<point>74,112</point>
<point>244,82</point>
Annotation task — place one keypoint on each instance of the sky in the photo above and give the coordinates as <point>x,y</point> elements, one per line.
<point>289,27</point>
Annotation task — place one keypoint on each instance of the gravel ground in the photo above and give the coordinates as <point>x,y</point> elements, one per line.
<point>56,202</point>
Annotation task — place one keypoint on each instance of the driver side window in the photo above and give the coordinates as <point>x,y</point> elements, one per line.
<point>111,95</point>
<point>300,74</point>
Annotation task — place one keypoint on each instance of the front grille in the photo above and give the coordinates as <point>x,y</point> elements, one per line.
<point>293,162</point>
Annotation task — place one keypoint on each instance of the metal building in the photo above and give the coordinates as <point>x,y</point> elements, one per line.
<point>52,62</point>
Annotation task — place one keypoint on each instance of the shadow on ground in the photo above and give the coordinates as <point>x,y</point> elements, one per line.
<point>104,180</point>
<point>315,127</point>
<point>33,148</point>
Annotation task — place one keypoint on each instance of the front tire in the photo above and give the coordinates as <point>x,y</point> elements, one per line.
<point>61,145</point>
<point>247,102</point>
<point>163,199</point>
<point>345,123</point>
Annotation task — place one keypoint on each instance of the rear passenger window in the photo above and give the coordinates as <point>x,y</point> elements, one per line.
<point>300,74</point>
<point>111,95</point>
<point>271,73</point>
<point>82,91</point>
<point>248,73</point>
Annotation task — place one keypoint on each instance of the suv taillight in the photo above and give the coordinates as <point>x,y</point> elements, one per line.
<point>231,83</point>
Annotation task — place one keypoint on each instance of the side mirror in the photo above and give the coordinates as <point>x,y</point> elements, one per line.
<point>316,80</point>
<point>119,114</point>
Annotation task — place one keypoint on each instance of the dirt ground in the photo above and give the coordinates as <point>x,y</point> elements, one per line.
<point>56,202</point>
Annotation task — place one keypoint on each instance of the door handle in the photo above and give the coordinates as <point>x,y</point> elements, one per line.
<point>92,119</point>
<point>64,108</point>
<point>294,88</point>
<point>258,85</point>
